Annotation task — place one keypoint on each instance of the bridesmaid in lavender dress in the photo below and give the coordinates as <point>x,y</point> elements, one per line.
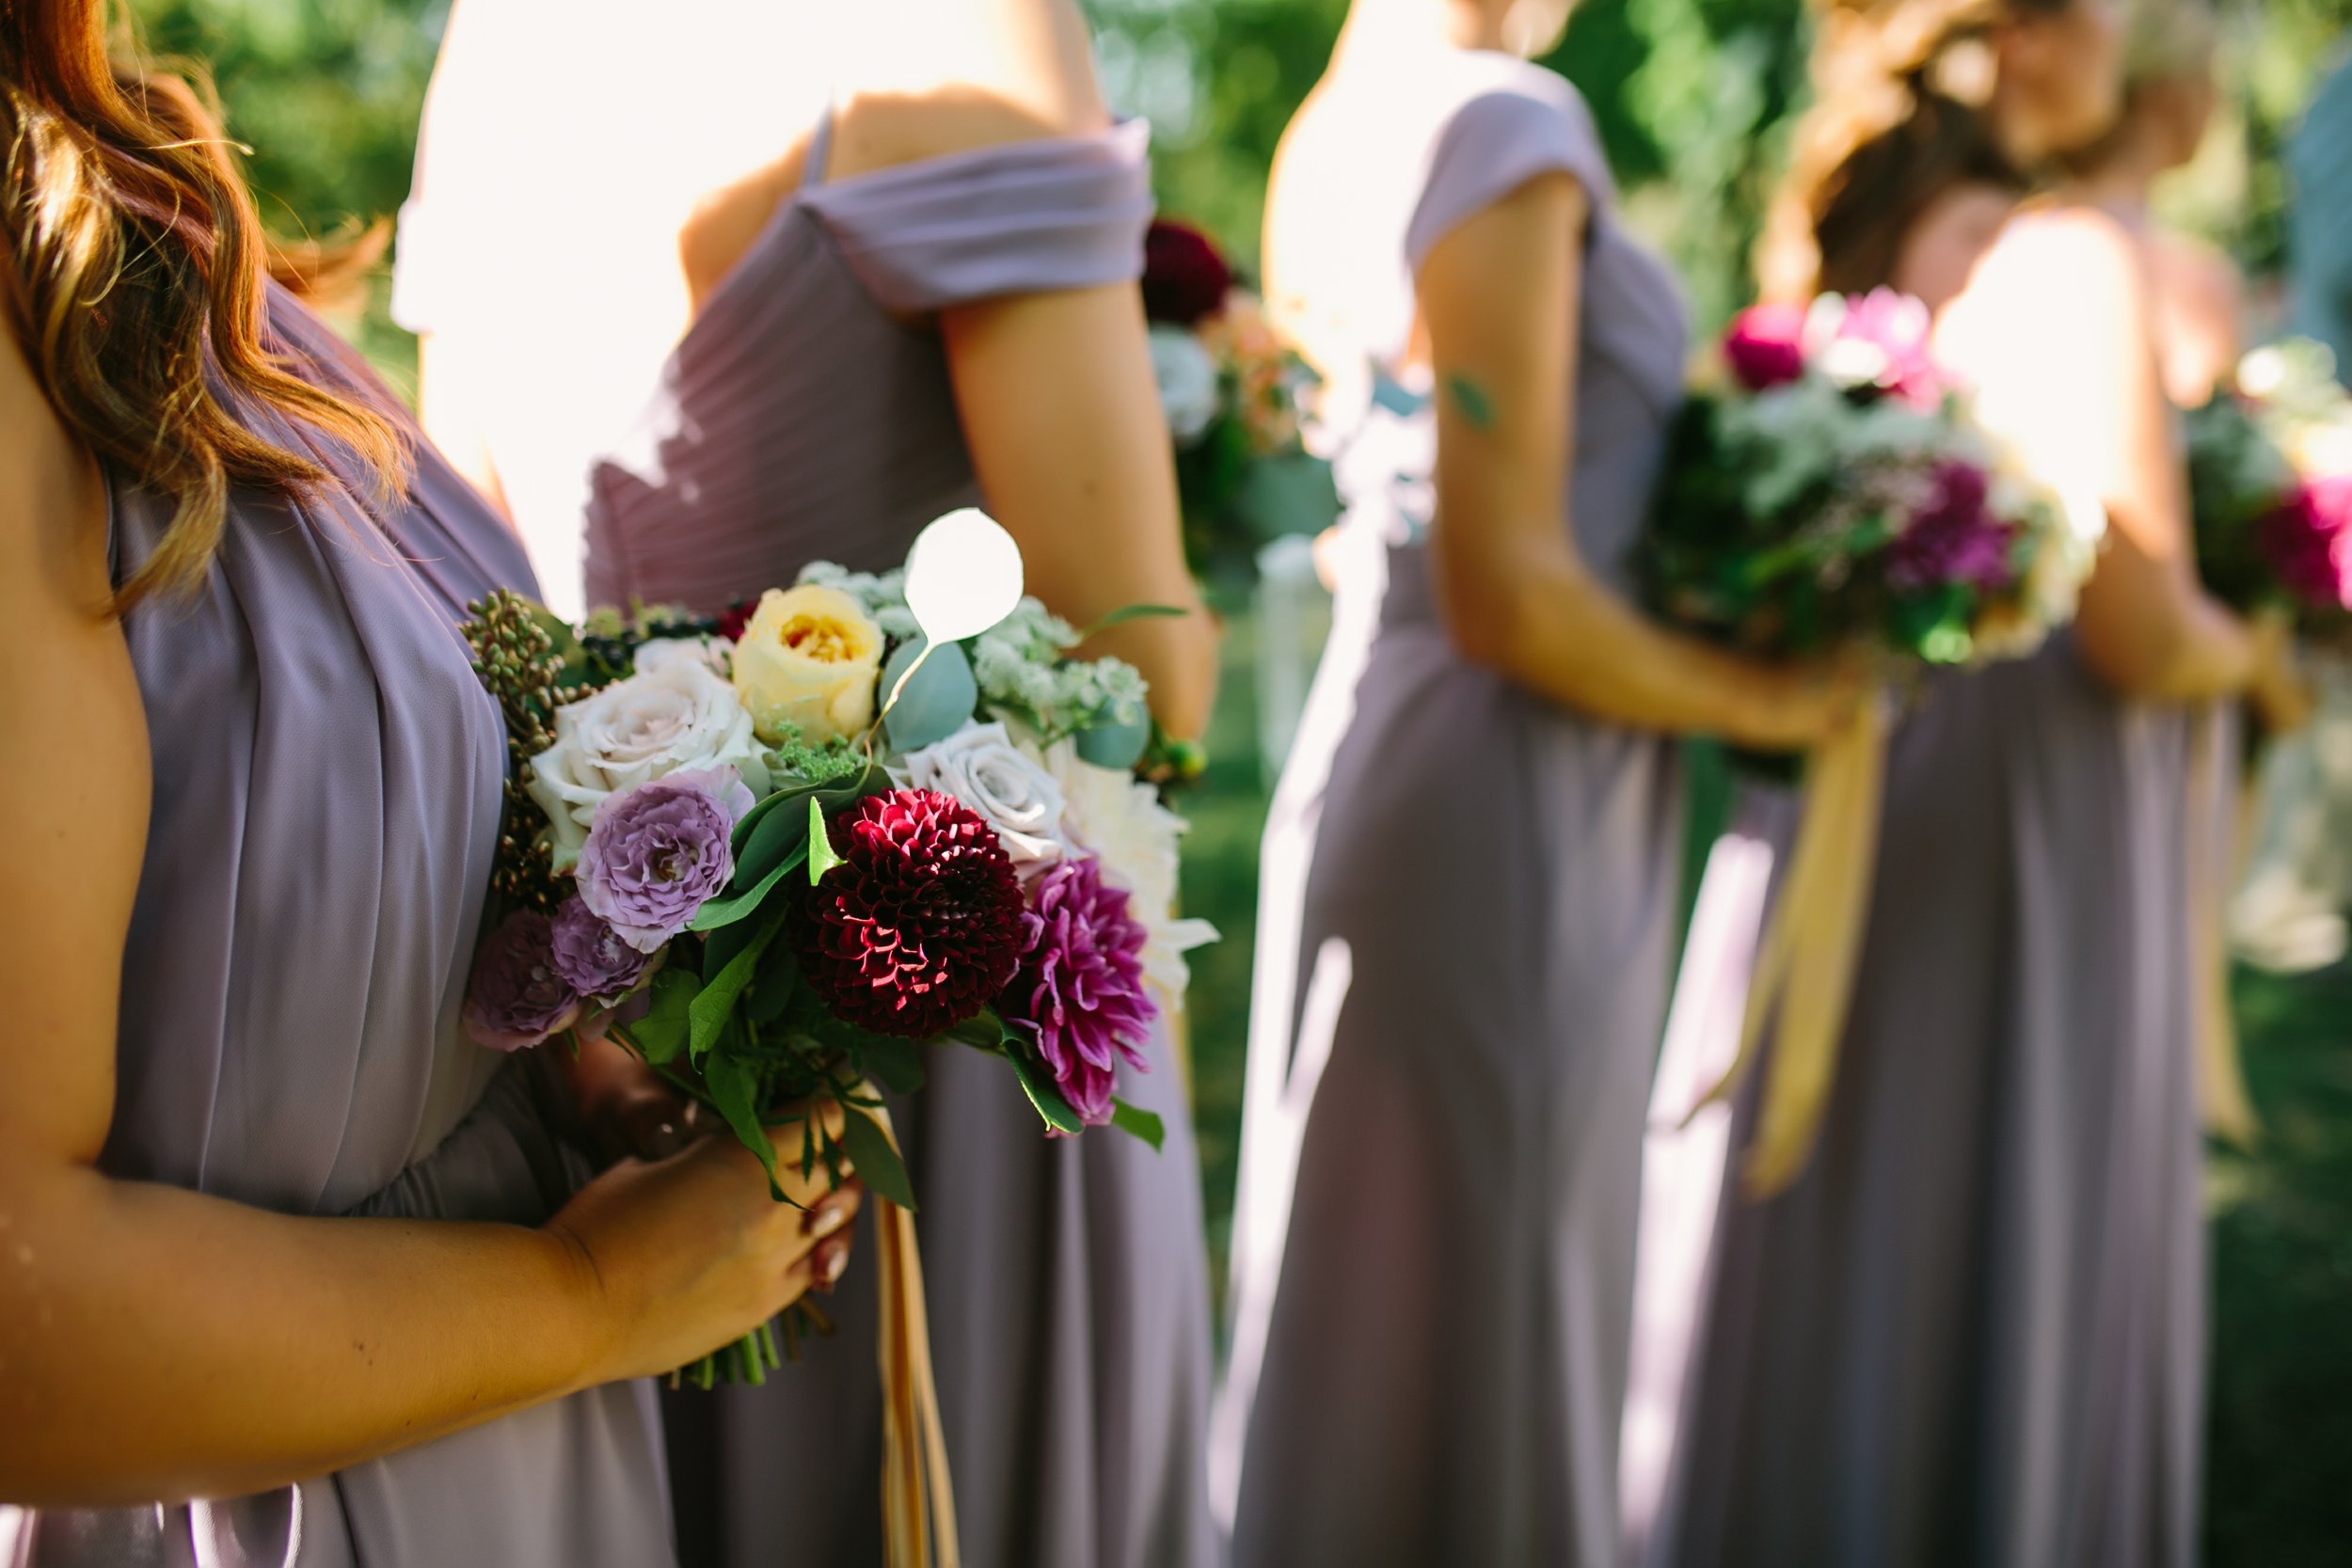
<point>262,852</point>
<point>1973,1332</point>
<point>929,303</point>
<point>1470,875</point>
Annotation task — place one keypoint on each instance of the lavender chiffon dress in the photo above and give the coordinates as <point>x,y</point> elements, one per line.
<point>1464,940</point>
<point>1974,1332</point>
<point>327,797</point>
<point>808,415</point>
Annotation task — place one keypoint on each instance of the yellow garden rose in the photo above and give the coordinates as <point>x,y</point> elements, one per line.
<point>809,658</point>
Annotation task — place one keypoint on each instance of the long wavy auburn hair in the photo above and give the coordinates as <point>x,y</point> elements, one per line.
<point>1898,121</point>
<point>136,282</point>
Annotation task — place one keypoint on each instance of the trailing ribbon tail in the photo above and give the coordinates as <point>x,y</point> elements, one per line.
<point>1803,982</point>
<point>2228,1108</point>
<point>918,1498</point>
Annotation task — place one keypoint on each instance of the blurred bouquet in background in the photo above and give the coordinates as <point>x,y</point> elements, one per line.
<point>1824,490</point>
<point>2270,486</point>
<point>1234,398</point>
<point>777,853</point>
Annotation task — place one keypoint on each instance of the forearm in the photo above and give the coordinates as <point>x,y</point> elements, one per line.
<point>158,1344</point>
<point>2163,637</point>
<point>1553,628</point>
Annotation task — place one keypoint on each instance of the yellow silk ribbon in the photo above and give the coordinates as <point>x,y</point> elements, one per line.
<point>1803,977</point>
<point>2229,1110</point>
<point>918,1499</point>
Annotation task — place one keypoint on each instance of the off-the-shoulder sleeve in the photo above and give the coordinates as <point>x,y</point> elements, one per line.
<point>1496,142</point>
<point>1066,212</point>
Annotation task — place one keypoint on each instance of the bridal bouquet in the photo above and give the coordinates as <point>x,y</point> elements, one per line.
<point>778,854</point>
<point>2270,485</point>
<point>1233,397</point>
<point>1829,492</point>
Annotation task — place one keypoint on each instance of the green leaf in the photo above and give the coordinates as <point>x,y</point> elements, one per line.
<point>662,1034</point>
<point>1471,401</point>
<point>708,1013</point>
<point>1044,1095</point>
<point>734,1085</point>
<point>727,911</point>
<point>772,991</point>
<point>1143,1124</point>
<point>878,1163</point>
<point>820,856</point>
<point>751,822</point>
<point>896,1065</point>
<point>779,831</point>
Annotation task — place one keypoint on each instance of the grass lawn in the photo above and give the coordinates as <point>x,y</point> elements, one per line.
<point>2279,1489</point>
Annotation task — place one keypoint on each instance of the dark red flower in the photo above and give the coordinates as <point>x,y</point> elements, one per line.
<point>735,617</point>
<point>2308,541</point>
<point>1184,278</point>
<point>919,926</point>
<point>1765,345</point>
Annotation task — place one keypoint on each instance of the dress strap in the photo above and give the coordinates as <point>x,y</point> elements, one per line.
<point>819,150</point>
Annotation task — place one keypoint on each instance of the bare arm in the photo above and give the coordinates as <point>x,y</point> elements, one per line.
<point>1055,390</point>
<point>2056,332</point>
<point>1500,297</point>
<point>156,1343</point>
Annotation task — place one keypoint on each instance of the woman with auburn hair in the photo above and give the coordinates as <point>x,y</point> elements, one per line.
<point>1972,1332</point>
<point>291,1270</point>
<point>923,296</point>
<point>1465,940</point>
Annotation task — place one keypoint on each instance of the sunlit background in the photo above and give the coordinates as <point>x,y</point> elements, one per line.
<point>1694,97</point>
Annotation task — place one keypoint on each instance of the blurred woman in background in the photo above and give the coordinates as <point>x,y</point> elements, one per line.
<point>291,1270</point>
<point>1469,877</point>
<point>920,296</point>
<point>1973,1332</point>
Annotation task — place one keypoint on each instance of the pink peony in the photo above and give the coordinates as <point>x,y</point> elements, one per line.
<point>2307,542</point>
<point>1765,346</point>
<point>1882,339</point>
<point>1080,994</point>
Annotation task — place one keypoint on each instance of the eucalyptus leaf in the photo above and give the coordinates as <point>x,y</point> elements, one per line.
<point>707,1014</point>
<point>938,701</point>
<point>1044,1095</point>
<point>1116,743</point>
<point>1135,613</point>
<point>878,1163</point>
<point>1143,1124</point>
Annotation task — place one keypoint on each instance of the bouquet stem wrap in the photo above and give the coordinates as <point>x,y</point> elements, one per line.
<point>918,1499</point>
<point>2229,1110</point>
<point>1804,968</point>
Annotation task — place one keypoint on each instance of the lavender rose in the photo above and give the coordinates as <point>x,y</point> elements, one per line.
<point>515,997</point>
<point>657,852</point>
<point>591,955</point>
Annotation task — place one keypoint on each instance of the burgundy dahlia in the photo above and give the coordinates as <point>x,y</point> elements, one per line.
<point>1080,994</point>
<point>919,926</point>
<point>1185,279</point>
<point>1953,538</point>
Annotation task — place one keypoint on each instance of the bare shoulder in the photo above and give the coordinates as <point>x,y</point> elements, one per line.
<point>53,540</point>
<point>2071,251</point>
<point>935,77</point>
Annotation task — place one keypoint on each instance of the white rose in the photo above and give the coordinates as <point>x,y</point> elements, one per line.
<point>1119,819</point>
<point>1003,782</point>
<point>1189,392</point>
<point>713,652</point>
<point>808,660</point>
<point>678,714</point>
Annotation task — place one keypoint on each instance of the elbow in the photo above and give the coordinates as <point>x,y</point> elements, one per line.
<point>2181,651</point>
<point>1184,693</point>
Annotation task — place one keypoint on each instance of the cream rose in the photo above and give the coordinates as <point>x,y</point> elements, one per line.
<point>981,766</point>
<point>677,714</point>
<point>808,660</point>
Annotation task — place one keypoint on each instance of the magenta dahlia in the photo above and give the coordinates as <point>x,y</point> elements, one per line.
<point>1080,994</point>
<point>919,926</point>
<point>2308,539</point>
